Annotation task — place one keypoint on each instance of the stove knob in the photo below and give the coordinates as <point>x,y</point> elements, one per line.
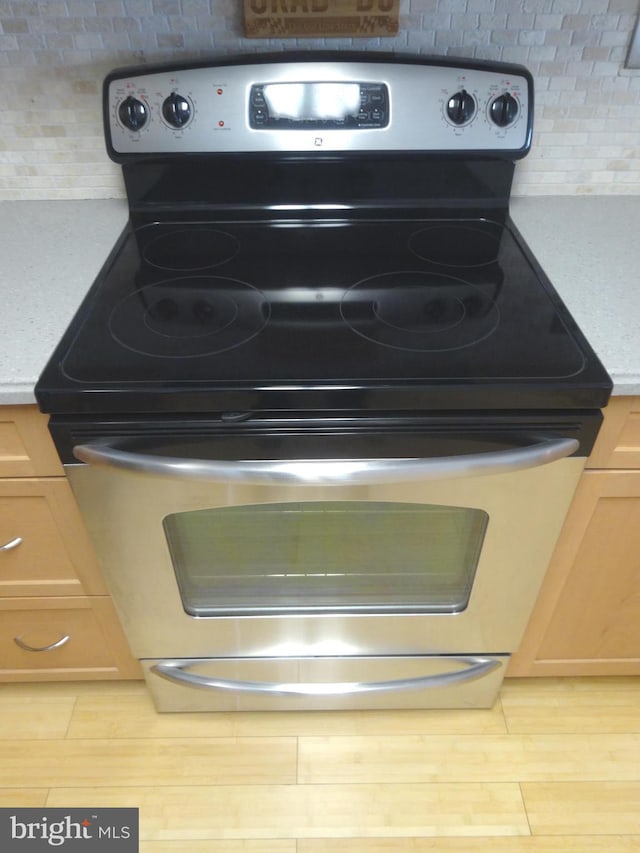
<point>461,107</point>
<point>133,113</point>
<point>503,110</point>
<point>176,110</point>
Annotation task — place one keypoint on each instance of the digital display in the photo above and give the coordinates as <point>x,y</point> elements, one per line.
<point>318,105</point>
<point>312,101</point>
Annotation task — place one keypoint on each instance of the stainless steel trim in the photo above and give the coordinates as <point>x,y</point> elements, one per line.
<point>176,671</point>
<point>9,546</point>
<point>330,471</point>
<point>27,648</point>
<point>418,95</point>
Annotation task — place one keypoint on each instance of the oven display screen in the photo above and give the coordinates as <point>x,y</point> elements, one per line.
<point>313,101</point>
<point>297,106</point>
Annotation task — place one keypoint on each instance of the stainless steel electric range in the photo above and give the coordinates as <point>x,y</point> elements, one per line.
<point>322,410</point>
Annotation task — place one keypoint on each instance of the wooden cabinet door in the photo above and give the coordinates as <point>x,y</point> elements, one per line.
<point>26,448</point>
<point>587,618</point>
<point>44,547</point>
<point>618,444</point>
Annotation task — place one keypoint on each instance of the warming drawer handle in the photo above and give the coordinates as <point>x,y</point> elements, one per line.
<point>9,546</point>
<point>323,472</point>
<point>176,671</point>
<point>27,648</point>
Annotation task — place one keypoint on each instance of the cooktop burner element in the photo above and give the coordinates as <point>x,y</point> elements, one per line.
<point>419,311</point>
<point>190,249</point>
<point>456,245</point>
<point>186,317</point>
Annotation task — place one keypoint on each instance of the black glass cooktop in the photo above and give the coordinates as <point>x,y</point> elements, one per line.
<point>323,306</point>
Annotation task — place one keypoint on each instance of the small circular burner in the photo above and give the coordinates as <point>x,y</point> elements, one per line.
<point>190,317</point>
<point>420,312</point>
<point>457,245</point>
<point>190,249</point>
<point>186,317</point>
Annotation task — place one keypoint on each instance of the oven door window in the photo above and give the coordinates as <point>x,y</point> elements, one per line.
<point>325,557</point>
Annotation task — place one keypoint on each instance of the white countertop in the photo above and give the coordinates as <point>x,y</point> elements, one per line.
<point>52,250</point>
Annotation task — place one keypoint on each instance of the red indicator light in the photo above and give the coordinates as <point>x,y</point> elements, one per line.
<point>219,91</point>
<point>220,124</point>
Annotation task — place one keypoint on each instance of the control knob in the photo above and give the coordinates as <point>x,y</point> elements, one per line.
<point>461,107</point>
<point>503,110</point>
<point>176,110</point>
<point>133,113</point>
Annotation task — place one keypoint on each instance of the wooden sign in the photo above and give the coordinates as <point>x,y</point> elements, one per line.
<point>320,18</point>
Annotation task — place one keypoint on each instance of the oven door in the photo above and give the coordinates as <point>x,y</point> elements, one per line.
<point>302,556</point>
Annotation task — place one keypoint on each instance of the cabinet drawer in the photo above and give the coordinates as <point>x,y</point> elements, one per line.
<point>62,638</point>
<point>618,445</point>
<point>45,549</point>
<point>26,448</point>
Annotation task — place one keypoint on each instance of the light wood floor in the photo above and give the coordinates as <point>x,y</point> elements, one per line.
<point>553,768</point>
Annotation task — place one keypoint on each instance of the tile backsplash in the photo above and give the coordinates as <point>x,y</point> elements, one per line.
<point>54,54</point>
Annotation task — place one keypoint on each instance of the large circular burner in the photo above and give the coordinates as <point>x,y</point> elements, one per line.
<point>190,249</point>
<point>420,312</point>
<point>456,245</point>
<point>186,317</point>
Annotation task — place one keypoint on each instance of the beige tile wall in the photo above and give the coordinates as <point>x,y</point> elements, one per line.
<point>54,53</point>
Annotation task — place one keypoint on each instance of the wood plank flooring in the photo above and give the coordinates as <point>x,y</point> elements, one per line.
<point>554,767</point>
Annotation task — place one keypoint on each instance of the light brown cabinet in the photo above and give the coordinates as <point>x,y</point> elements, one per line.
<point>47,551</point>
<point>57,620</point>
<point>587,617</point>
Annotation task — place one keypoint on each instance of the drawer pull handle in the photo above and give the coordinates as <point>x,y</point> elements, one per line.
<point>9,546</point>
<point>27,648</point>
<point>176,671</point>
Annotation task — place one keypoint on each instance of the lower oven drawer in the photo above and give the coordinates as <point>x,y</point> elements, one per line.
<point>276,684</point>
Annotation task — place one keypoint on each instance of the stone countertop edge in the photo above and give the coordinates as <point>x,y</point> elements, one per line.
<point>53,250</point>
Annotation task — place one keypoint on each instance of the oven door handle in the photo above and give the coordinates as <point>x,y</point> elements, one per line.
<point>323,472</point>
<point>176,671</point>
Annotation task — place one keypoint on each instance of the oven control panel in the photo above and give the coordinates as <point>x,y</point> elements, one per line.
<point>319,106</point>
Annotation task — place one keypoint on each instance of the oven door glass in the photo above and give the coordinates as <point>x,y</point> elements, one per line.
<point>325,556</point>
